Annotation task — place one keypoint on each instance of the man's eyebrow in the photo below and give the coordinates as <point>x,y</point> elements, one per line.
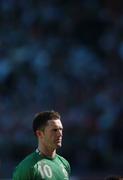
<point>57,127</point>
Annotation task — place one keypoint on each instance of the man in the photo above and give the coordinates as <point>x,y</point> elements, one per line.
<point>45,163</point>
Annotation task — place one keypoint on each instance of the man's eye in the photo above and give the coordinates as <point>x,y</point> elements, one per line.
<point>57,129</point>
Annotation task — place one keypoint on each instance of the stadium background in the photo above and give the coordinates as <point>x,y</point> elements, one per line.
<point>64,55</point>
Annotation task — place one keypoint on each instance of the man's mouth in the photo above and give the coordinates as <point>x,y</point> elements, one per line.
<point>59,140</point>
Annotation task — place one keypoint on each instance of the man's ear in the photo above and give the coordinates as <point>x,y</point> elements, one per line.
<point>39,133</point>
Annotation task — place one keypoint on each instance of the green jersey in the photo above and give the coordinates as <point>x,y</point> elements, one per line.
<point>38,167</point>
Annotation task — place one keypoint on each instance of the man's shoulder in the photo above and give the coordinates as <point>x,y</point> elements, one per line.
<point>25,168</point>
<point>27,162</point>
<point>65,163</point>
<point>61,158</point>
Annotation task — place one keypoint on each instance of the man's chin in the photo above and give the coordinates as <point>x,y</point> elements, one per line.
<point>59,145</point>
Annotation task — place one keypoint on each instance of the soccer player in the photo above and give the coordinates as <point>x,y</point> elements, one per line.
<point>45,163</point>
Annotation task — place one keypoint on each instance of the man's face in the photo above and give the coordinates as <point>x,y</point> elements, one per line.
<point>52,135</point>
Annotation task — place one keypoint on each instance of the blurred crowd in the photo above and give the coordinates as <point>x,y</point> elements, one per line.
<point>66,56</point>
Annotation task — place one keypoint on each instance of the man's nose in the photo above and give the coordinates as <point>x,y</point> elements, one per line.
<point>59,133</point>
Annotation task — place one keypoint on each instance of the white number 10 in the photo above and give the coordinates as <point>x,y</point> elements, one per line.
<point>45,170</point>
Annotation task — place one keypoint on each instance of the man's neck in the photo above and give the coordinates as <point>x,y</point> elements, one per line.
<point>47,152</point>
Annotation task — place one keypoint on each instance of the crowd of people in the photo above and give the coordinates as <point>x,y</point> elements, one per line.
<point>66,56</point>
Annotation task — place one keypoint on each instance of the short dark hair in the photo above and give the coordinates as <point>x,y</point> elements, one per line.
<point>41,119</point>
<point>113,177</point>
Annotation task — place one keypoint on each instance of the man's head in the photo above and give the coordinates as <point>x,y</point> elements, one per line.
<point>48,128</point>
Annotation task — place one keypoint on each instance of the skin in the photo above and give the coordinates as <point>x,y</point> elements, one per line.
<point>50,138</point>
